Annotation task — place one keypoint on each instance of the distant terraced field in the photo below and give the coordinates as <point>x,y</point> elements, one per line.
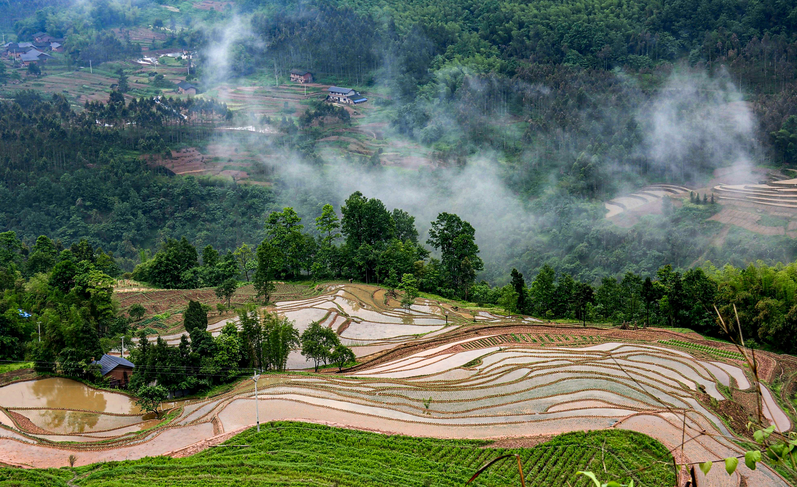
<point>639,199</point>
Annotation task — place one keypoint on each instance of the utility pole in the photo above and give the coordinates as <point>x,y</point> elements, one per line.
<point>123,346</point>
<point>90,68</point>
<point>257,410</point>
<point>39,323</point>
<point>276,79</point>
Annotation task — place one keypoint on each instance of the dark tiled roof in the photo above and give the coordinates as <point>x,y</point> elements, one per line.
<point>300,72</point>
<point>185,85</point>
<point>340,91</point>
<point>32,55</point>
<point>109,362</point>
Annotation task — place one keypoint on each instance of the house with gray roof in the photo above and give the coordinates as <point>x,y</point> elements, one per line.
<point>344,95</point>
<point>34,56</point>
<point>119,370</point>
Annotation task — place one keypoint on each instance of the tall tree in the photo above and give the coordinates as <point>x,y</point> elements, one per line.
<point>327,225</point>
<point>649,296</point>
<point>455,239</point>
<point>247,260</point>
<point>284,230</point>
<point>280,337</point>
<point>226,290</point>
<point>318,342</point>
<point>405,226</point>
<point>251,336</point>
<point>584,296</point>
<point>519,285</point>
<point>543,291</point>
<point>263,279</point>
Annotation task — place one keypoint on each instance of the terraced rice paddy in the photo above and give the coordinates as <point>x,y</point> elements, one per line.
<point>461,381</point>
<point>781,194</point>
<point>640,199</point>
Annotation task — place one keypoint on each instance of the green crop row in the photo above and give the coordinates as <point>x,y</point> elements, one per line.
<point>704,348</point>
<point>527,338</point>
<point>287,453</point>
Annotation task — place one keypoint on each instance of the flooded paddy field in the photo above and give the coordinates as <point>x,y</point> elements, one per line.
<point>417,376</point>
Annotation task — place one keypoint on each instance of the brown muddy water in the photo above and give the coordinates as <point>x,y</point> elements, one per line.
<point>56,392</point>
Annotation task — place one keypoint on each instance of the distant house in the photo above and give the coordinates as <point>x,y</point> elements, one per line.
<point>56,47</point>
<point>186,88</point>
<point>301,76</point>
<point>13,50</point>
<point>118,369</point>
<point>39,36</point>
<point>344,95</point>
<point>34,56</point>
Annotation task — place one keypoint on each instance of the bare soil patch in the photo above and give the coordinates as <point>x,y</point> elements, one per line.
<point>27,425</point>
<point>211,5</point>
<point>736,414</point>
<point>17,375</point>
<point>215,162</point>
<point>140,35</point>
<point>746,220</point>
<point>521,442</point>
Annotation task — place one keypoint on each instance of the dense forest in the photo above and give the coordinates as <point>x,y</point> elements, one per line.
<point>67,177</point>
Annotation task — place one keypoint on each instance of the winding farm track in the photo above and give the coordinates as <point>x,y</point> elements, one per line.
<point>499,378</point>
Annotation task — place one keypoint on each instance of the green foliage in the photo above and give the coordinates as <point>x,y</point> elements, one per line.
<point>409,286</point>
<point>341,356</point>
<point>280,337</point>
<point>318,343</point>
<point>704,348</point>
<point>267,263</point>
<point>195,317</point>
<point>290,246</point>
<point>247,260</point>
<point>151,397</point>
<point>730,464</point>
<point>226,290</point>
<point>455,239</point>
<point>302,454</point>
<point>136,311</point>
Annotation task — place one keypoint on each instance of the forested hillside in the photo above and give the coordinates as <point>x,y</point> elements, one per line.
<point>567,105</point>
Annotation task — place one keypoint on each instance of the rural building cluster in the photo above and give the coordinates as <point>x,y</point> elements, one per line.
<point>35,52</point>
<point>335,94</point>
<point>347,96</point>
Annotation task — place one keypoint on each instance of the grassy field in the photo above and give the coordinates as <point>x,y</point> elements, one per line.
<point>15,366</point>
<point>287,453</point>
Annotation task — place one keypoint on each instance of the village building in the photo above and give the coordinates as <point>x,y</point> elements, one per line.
<point>345,95</point>
<point>185,88</point>
<point>46,39</point>
<point>56,47</point>
<point>117,369</point>
<point>34,56</point>
<point>14,51</point>
<point>301,76</point>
